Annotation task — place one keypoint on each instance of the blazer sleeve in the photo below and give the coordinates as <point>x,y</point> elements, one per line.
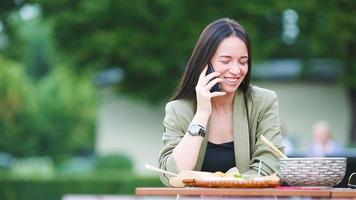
<point>268,125</point>
<point>173,133</point>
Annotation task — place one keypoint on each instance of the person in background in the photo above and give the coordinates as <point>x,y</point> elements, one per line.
<point>216,130</point>
<point>323,143</point>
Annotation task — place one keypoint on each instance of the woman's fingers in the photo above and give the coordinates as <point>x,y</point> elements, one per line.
<point>202,74</point>
<point>216,94</point>
<point>211,76</point>
<point>204,79</point>
<point>213,82</point>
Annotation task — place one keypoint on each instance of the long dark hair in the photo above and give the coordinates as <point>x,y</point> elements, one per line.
<point>205,49</point>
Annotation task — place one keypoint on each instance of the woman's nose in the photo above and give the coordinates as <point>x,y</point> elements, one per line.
<point>235,68</point>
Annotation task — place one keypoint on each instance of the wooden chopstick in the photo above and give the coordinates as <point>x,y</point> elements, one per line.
<point>275,150</point>
<point>259,168</point>
<point>150,167</point>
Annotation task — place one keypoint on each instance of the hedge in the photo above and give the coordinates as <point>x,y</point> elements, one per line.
<point>15,188</point>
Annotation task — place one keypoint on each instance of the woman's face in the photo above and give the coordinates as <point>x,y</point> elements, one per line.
<point>230,59</point>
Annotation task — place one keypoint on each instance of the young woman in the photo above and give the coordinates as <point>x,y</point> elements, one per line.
<point>212,131</point>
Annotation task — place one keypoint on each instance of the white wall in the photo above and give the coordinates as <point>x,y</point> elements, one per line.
<point>135,128</point>
<point>302,104</point>
<point>132,128</point>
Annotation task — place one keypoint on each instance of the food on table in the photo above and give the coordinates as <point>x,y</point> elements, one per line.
<point>230,179</point>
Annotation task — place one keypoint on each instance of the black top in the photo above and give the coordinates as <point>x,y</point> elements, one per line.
<point>219,157</point>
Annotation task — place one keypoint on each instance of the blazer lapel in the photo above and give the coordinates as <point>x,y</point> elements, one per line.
<point>241,133</point>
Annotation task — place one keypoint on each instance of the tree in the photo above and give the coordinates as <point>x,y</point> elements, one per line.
<point>35,117</point>
<point>8,32</point>
<point>19,110</point>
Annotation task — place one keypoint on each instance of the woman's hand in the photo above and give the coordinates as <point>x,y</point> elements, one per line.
<point>203,91</point>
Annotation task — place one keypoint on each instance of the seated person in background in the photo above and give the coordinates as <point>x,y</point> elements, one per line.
<point>323,143</point>
<point>206,130</point>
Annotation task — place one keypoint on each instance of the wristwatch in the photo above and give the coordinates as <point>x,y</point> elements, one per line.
<point>196,130</point>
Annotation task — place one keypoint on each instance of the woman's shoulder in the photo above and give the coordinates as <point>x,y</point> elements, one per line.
<point>261,95</point>
<point>259,92</point>
<point>181,103</point>
<point>181,106</point>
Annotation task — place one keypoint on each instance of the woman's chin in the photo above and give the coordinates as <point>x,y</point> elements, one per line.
<point>229,89</point>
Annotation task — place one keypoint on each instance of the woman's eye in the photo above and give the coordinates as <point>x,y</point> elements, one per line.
<point>225,62</point>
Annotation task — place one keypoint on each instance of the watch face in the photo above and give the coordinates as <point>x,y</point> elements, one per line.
<point>196,130</point>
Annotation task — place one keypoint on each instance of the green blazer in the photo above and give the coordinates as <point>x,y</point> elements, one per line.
<point>249,149</point>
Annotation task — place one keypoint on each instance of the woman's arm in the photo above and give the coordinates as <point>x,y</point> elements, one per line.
<point>186,152</point>
<point>180,150</point>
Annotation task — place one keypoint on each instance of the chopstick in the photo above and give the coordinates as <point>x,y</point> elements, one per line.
<point>274,149</point>
<point>259,168</point>
<point>150,167</point>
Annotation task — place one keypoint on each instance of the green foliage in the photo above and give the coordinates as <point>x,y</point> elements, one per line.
<point>35,178</point>
<point>13,188</point>
<point>114,162</point>
<point>41,167</point>
<point>32,41</point>
<point>67,105</point>
<point>113,174</point>
<point>327,31</point>
<point>54,117</point>
<point>38,53</point>
<point>18,110</point>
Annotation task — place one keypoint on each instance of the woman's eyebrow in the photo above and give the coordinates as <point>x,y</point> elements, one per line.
<point>227,56</point>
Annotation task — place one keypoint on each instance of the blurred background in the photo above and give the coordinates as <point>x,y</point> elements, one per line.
<point>83,84</point>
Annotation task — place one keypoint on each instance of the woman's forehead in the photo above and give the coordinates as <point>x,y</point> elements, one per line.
<point>232,47</point>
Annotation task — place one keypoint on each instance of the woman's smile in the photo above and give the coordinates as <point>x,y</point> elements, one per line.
<point>231,80</point>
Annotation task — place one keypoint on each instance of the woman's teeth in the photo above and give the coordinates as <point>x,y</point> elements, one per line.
<point>231,80</point>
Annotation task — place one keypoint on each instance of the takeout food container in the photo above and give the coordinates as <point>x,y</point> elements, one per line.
<point>263,182</point>
<point>324,172</point>
<point>223,180</point>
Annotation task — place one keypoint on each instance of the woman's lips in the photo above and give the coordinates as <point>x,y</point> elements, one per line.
<point>231,80</point>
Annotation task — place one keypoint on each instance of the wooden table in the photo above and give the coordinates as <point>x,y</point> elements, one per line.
<point>255,192</point>
<point>343,193</point>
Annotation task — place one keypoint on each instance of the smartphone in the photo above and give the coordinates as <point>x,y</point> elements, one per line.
<point>216,87</point>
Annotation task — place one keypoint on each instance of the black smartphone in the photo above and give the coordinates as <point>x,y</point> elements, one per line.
<point>216,87</point>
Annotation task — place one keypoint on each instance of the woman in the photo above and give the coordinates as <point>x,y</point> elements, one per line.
<point>215,131</point>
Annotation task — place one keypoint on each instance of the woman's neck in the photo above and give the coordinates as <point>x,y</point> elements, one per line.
<point>222,103</point>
